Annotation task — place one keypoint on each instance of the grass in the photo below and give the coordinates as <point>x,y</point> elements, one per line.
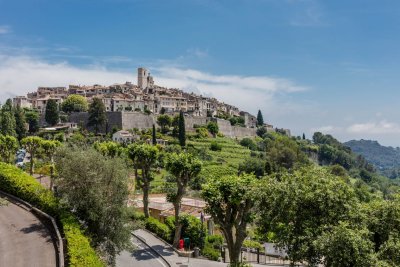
<point>224,162</point>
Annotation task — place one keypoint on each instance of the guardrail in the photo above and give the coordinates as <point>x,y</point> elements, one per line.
<point>54,229</point>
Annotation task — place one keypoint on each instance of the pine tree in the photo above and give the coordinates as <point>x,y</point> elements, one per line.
<point>97,114</point>
<point>7,119</point>
<point>154,135</point>
<point>182,131</point>
<point>304,136</point>
<point>260,120</point>
<point>52,115</point>
<point>20,123</point>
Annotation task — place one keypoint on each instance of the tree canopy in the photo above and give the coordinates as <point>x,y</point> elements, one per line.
<point>74,103</point>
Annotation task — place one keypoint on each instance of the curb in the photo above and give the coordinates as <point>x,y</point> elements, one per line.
<point>180,254</point>
<point>152,249</point>
<point>37,212</point>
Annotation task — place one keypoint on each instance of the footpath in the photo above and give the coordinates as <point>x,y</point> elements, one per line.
<point>166,251</point>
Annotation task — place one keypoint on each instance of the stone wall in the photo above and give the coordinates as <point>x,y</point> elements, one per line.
<point>130,120</point>
<point>138,120</point>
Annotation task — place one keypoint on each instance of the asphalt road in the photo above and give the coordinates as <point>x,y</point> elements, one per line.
<point>24,240</point>
<point>141,256</point>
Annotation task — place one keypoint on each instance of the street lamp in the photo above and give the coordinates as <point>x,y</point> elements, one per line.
<point>202,229</point>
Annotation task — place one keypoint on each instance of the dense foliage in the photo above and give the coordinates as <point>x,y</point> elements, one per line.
<point>18,183</point>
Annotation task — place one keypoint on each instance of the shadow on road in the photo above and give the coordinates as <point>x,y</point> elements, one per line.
<point>142,254</point>
<point>163,250</point>
<point>37,228</point>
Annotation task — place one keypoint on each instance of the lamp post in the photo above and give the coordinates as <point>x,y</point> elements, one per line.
<point>202,229</point>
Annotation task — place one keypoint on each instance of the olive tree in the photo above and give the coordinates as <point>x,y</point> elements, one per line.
<point>95,187</point>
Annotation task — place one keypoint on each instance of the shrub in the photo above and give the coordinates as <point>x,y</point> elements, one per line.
<point>212,247</point>
<point>20,184</point>
<point>201,132</point>
<point>159,228</point>
<point>215,146</point>
<point>249,143</point>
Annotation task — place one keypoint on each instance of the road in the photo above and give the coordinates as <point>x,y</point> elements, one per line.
<point>24,240</point>
<point>142,256</point>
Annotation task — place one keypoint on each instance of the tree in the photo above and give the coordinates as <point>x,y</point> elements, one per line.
<point>8,148</point>
<point>182,130</point>
<point>301,206</point>
<point>96,188</point>
<point>254,166</point>
<point>162,110</point>
<point>74,103</point>
<point>52,115</point>
<point>97,114</point>
<point>7,119</point>
<point>20,128</point>
<point>213,128</point>
<point>49,148</point>
<point>304,136</point>
<point>154,138</point>
<point>260,120</point>
<point>109,149</point>
<point>32,144</point>
<point>345,246</point>
<point>144,157</point>
<point>184,167</point>
<point>32,118</point>
<point>165,122</point>
<point>230,202</point>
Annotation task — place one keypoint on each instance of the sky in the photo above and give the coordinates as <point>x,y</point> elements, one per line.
<point>308,65</point>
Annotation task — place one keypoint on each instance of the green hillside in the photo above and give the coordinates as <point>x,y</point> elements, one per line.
<point>385,159</point>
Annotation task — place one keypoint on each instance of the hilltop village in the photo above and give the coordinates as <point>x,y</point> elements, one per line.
<point>131,106</point>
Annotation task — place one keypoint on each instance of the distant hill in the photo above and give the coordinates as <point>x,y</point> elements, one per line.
<point>385,159</point>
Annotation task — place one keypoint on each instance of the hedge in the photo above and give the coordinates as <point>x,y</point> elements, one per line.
<point>16,182</point>
<point>158,228</point>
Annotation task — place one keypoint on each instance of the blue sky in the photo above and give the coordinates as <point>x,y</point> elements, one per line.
<point>307,64</point>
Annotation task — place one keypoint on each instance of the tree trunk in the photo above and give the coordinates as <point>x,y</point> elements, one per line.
<point>146,200</point>
<point>145,193</point>
<point>177,206</point>
<point>178,226</point>
<point>31,167</point>
<point>51,174</point>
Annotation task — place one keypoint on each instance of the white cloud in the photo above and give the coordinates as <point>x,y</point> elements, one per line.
<point>380,127</point>
<point>4,29</point>
<point>23,74</point>
<point>246,92</point>
<point>324,129</point>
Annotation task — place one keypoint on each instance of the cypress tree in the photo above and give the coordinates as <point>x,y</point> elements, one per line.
<point>52,115</point>
<point>154,135</point>
<point>20,123</point>
<point>260,120</point>
<point>304,136</point>
<point>181,129</point>
<point>97,114</point>
<point>7,119</point>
